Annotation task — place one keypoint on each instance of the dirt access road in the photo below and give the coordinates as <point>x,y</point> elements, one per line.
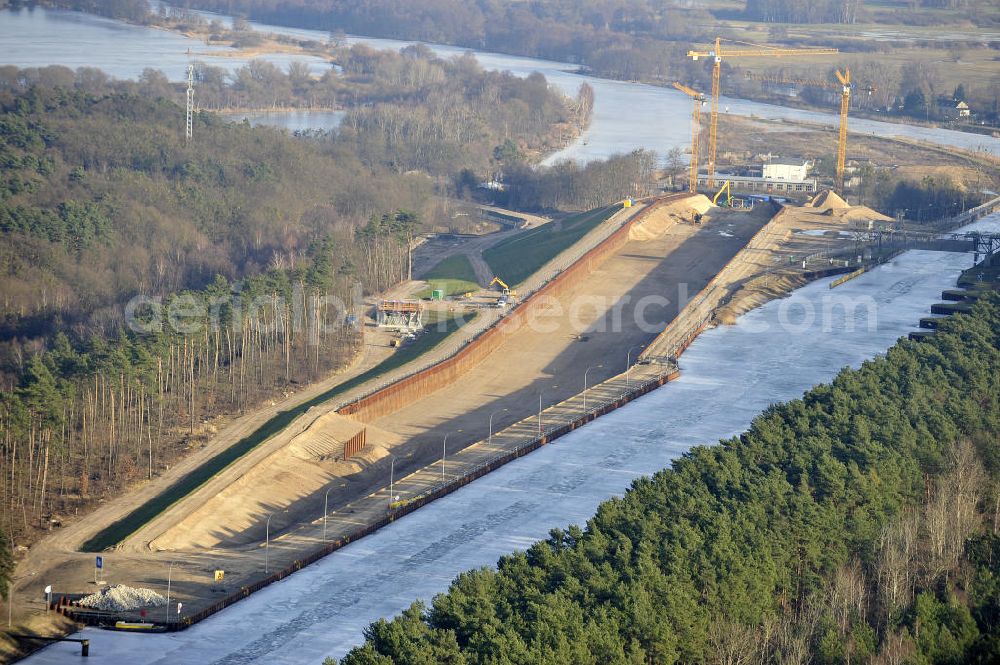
<point>617,308</point>
<point>438,248</point>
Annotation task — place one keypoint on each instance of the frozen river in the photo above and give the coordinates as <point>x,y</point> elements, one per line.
<point>627,116</point>
<point>772,354</point>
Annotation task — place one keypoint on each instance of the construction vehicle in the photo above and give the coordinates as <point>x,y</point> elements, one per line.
<point>717,54</point>
<point>845,85</point>
<point>699,101</point>
<point>506,292</point>
<point>729,195</point>
<point>503,285</point>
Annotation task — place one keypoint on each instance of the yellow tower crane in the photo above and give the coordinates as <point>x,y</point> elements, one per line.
<point>844,84</point>
<point>758,52</point>
<point>699,101</point>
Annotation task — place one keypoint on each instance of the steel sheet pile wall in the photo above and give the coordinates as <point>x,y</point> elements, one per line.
<point>354,445</point>
<point>394,397</point>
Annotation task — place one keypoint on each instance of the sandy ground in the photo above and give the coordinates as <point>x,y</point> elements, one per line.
<point>619,307</point>
<point>277,477</point>
<point>826,226</point>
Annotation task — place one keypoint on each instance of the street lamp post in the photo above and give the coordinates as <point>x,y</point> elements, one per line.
<point>170,571</point>
<point>587,371</point>
<point>540,412</point>
<point>392,473</point>
<point>326,503</point>
<point>540,392</point>
<point>267,539</point>
<point>490,440</point>
<point>540,428</point>
<point>444,452</point>
<point>628,362</point>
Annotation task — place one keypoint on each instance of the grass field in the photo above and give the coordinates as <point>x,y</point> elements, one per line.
<point>517,258</point>
<point>453,275</point>
<point>123,528</point>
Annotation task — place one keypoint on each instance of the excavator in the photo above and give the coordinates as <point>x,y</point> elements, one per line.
<point>729,195</point>
<point>505,291</point>
<point>503,285</point>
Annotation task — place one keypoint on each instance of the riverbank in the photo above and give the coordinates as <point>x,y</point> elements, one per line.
<point>277,42</point>
<point>314,43</point>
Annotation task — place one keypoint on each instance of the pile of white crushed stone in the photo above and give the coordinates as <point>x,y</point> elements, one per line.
<point>121,598</point>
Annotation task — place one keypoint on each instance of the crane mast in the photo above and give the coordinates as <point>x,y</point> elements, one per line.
<point>845,85</point>
<point>845,103</point>
<point>717,55</point>
<point>698,99</point>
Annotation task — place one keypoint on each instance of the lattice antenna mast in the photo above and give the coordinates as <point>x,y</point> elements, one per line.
<point>189,126</point>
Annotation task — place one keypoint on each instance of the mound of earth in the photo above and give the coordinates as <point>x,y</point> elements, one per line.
<point>656,223</point>
<point>292,478</point>
<point>827,200</point>
<point>324,439</point>
<point>756,292</point>
<point>863,213</point>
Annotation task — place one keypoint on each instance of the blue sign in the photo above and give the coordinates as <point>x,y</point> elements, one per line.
<point>100,562</point>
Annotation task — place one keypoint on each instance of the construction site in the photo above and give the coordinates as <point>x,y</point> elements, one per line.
<point>601,323</point>
<point>519,363</point>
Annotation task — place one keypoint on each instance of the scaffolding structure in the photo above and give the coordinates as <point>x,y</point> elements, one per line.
<point>399,314</point>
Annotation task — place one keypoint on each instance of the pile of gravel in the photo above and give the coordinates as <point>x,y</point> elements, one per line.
<point>121,598</point>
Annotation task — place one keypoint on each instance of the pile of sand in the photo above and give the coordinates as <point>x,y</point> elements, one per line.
<point>324,438</point>
<point>370,454</point>
<point>864,213</point>
<point>827,200</point>
<point>662,217</point>
<point>829,204</point>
